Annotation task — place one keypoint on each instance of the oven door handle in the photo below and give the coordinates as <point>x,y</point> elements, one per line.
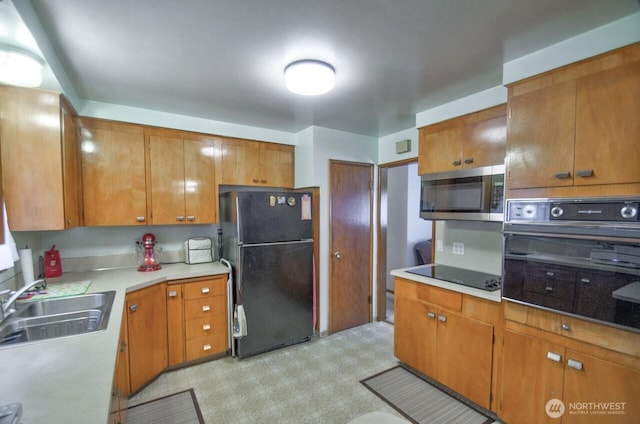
<point>572,236</point>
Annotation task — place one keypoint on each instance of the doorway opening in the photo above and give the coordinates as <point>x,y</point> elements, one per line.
<point>404,239</point>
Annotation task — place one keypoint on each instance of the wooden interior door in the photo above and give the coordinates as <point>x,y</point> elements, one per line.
<point>351,238</point>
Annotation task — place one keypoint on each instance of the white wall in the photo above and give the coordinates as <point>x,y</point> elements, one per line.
<point>482,245</point>
<point>330,144</point>
<point>418,229</point>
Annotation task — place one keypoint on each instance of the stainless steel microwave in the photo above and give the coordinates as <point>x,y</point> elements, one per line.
<point>475,194</point>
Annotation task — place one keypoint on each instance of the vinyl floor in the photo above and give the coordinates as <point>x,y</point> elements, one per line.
<point>313,382</point>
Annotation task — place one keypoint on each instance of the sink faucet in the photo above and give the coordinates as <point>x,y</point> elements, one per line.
<point>6,308</point>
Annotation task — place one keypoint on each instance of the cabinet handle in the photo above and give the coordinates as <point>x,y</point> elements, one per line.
<point>457,162</point>
<point>585,173</point>
<point>263,181</point>
<point>173,293</point>
<point>585,280</point>
<point>255,180</point>
<point>140,218</point>
<point>133,307</point>
<point>442,318</point>
<point>431,314</point>
<point>205,290</point>
<point>550,274</point>
<point>206,308</point>
<point>468,161</point>
<point>206,327</point>
<point>576,365</point>
<point>180,218</point>
<point>548,289</point>
<point>566,327</point>
<point>206,347</point>
<point>191,218</point>
<point>563,175</point>
<point>555,357</point>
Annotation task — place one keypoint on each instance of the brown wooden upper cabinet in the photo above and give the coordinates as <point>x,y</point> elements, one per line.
<point>578,125</point>
<point>254,163</point>
<point>40,160</point>
<point>182,180</point>
<point>113,173</point>
<point>469,141</point>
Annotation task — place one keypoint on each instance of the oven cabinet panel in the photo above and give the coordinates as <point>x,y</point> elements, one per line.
<point>550,286</point>
<point>436,340</point>
<point>529,378</point>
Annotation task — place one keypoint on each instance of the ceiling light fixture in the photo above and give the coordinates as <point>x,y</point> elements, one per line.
<point>20,67</point>
<point>309,77</point>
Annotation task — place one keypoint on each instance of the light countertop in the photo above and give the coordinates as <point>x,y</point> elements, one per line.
<point>69,380</point>
<point>495,296</point>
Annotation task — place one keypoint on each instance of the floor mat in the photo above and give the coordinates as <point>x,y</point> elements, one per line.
<point>420,401</point>
<point>179,408</point>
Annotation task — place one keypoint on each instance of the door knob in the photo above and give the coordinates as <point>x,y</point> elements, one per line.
<point>337,254</point>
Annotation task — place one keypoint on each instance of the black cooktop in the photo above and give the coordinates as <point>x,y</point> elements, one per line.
<point>466,277</point>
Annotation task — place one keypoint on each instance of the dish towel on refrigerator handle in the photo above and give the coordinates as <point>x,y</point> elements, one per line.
<point>240,324</point>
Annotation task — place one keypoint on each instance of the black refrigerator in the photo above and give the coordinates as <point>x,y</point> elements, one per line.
<point>268,239</point>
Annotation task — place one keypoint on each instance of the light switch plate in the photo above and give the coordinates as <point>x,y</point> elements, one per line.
<point>439,246</point>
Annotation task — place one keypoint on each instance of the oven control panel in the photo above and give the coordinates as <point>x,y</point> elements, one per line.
<point>580,210</point>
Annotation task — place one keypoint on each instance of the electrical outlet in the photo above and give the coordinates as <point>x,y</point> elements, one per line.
<point>458,248</point>
<point>439,246</point>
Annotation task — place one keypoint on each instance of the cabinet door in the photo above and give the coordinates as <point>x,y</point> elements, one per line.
<point>175,324</point>
<point>484,142</point>
<point>540,141</point>
<point>240,162</point>
<point>31,159</point>
<point>465,353</point>
<point>529,378</point>
<point>589,379</point>
<point>440,151</point>
<point>147,328</point>
<point>200,192</point>
<point>166,157</point>
<point>276,166</point>
<point>72,168</point>
<point>607,144</point>
<point>113,174</point>
<point>121,382</point>
<point>415,334</point>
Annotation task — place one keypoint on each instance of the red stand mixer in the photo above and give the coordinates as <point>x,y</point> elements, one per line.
<point>148,253</point>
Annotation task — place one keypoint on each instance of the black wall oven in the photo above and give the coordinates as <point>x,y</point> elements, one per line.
<point>576,257</point>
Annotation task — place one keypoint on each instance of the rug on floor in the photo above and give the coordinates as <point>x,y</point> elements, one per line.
<point>420,401</point>
<point>178,408</point>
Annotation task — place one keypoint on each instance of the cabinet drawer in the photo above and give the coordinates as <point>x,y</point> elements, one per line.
<point>418,291</point>
<point>215,287</point>
<point>212,325</point>
<point>205,346</point>
<point>205,307</point>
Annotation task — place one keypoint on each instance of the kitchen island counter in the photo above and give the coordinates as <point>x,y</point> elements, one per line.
<point>494,296</point>
<point>69,380</point>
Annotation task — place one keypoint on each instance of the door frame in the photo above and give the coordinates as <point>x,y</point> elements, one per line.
<point>371,167</point>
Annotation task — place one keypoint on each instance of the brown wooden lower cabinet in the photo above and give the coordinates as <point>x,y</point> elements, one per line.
<point>594,384</point>
<point>197,323</point>
<point>452,344</point>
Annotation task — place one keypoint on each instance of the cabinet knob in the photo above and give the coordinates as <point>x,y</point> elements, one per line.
<point>206,327</point>
<point>548,289</point>
<point>585,280</point>
<point>457,162</point>
<point>576,365</point>
<point>206,347</point>
<point>550,274</point>
<point>442,318</point>
<point>191,218</point>
<point>173,293</point>
<point>555,357</point>
<point>431,314</point>
<point>566,327</point>
<point>263,181</point>
<point>133,307</point>
<point>205,290</point>
<point>180,218</point>
<point>468,161</point>
<point>140,218</point>
<point>206,308</point>
<point>255,180</point>
<point>563,175</point>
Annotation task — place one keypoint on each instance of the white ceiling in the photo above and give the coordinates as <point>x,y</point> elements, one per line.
<point>224,59</point>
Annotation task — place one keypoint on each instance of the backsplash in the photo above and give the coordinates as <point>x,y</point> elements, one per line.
<point>482,245</point>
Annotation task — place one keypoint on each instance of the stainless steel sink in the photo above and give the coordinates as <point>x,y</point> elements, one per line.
<point>60,317</point>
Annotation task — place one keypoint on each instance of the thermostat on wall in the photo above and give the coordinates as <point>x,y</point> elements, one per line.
<point>403,146</point>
